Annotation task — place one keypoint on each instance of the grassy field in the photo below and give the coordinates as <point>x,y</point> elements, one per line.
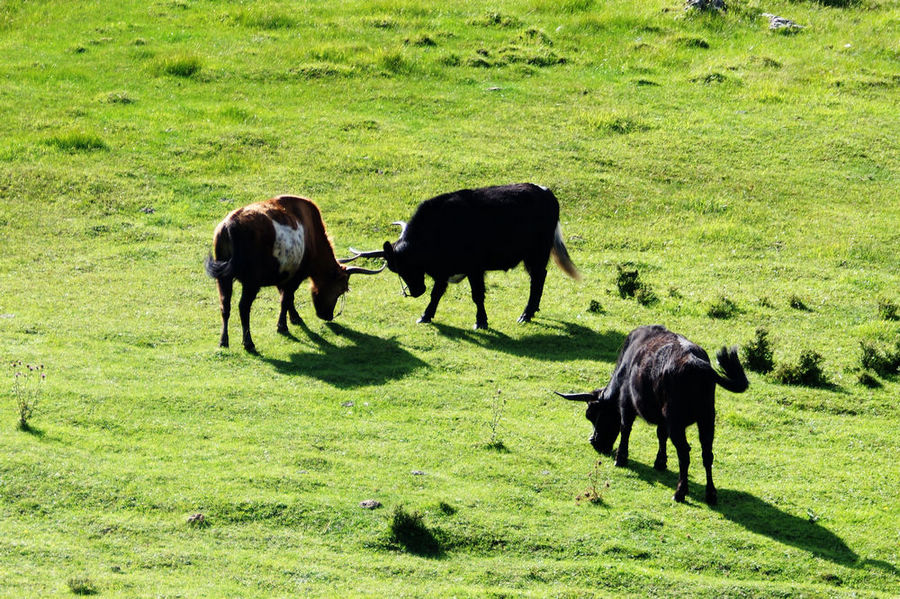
<point>730,165</point>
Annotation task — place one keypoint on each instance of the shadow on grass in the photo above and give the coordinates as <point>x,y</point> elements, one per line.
<point>556,340</point>
<point>761,517</point>
<point>367,360</point>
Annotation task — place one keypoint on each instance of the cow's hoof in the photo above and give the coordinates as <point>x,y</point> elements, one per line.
<point>424,320</point>
<point>679,497</point>
<point>295,319</point>
<point>481,325</point>
<point>659,465</point>
<point>621,462</point>
<point>250,348</point>
<point>525,318</point>
<point>223,343</point>
<point>712,497</point>
<point>283,330</point>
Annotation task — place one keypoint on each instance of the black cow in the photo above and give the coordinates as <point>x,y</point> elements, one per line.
<point>669,382</point>
<point>465,233</point>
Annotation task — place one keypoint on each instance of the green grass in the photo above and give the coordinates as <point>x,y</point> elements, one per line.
<point>717,159</point>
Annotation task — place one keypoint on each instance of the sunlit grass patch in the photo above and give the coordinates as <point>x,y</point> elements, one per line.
<point>178,65</point>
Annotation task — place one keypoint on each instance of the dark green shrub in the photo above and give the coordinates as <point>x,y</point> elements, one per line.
<point>797,303</point>
<point>722,307</point>
<point>887,309</point>
<point>885,363</point>
<point>628,281</point>
<point>82,586</point>
<point>807,372</point>
<point>408,531</point>
<point>758,352</point>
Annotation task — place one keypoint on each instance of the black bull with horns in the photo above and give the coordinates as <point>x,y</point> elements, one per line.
<point>277,242</point>
<point>465,233</point>
<point>668,381</point>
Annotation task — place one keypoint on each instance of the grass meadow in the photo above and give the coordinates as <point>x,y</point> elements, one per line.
<point>750,177</point>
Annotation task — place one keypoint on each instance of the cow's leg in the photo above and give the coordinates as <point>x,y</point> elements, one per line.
<point>662,436</point>
<point>437,290</point>
<point>225,287</point>
<point>627,422</point>
<point>538,272</point>
<point>706,429</point>
<point>476,282</point>
<point>679,440</point>
<point>287,309</point>
<point>248,294</point>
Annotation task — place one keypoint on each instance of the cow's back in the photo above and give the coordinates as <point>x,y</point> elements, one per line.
<point>492,228</point>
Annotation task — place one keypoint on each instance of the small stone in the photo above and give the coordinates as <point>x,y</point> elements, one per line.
<point>417,473</point>
<point>347,404</point>
<point>370,504</point>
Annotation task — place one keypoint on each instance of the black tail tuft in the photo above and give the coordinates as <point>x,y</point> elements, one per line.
<point>734,380</point>
<point>218,269</point>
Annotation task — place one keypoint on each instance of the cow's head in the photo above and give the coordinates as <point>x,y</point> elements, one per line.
<point>327,290</point>
<point>403,262</point>
<point>603,413</point>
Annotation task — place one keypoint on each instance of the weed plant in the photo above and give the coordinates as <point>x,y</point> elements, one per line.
<point>806,372</point>
<point>27,384</point>
<point>758,354</point>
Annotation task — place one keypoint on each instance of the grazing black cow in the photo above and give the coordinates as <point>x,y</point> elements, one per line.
<point>468,232</point>
<point>278,242</point>
<point>669,382</point>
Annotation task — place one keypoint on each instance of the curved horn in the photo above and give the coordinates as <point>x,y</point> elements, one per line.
<point>356,270</point>
<point>402,225</point>
<point>577,396</point>
<point>359,254</point>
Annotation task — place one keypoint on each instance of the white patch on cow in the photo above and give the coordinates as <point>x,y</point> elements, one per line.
<point>544,188</point>
<point>685,343</point>
<point>289,247</point>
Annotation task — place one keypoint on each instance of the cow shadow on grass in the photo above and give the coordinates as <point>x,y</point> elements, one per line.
<point>363,360</point>
<point>763,518</point>
<point>546,339</point>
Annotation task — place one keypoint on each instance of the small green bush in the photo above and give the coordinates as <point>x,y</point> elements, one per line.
<point>807,372</point>
<point>885,363</point>
<point>408,531</point>
<point>628,280</point>
<point>82,586</point>
<point>722,307</point>
<point>758,352</point>
<point>888,310</point>
<point>645,295</point>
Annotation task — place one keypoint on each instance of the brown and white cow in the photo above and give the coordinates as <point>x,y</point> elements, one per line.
<point>277,242</point>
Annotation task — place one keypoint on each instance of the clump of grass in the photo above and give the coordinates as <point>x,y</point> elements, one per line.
<point>887,309</point>
<point>628,280</point>
<point>722,307</point>
<point>421,40</point>
<point>796,302</point>
<point>807,372</point>
<point>265,19</point>
<point>408,531</point>
<point>645,296</point>
<point>495,19</point>
<point>765,302</point>
<point>197,520</point>
<point>82,586</point>
<point>394,61</point>
<point>178,65</point>
<point>498,403</point>
<point>617,124</point>
<point>77,141</point>
<point>594,493</point>
<point>885,363</point>
<point>118,97</point>
<point>758,355</point>
<point>28,380</point>
<point>867,379</point>
<point>595,307</point>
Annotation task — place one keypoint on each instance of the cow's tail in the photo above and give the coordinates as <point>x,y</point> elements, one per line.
<point>223,246</point>
<point>734,379</point>
<point>561,255</point>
